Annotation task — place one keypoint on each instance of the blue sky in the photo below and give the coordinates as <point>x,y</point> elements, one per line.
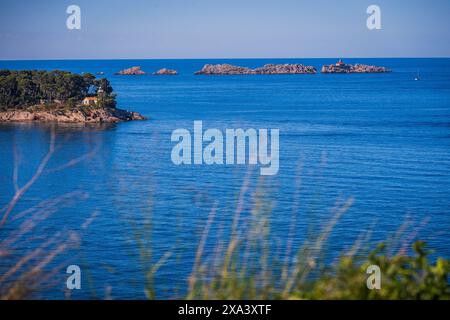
<point>117,29</point>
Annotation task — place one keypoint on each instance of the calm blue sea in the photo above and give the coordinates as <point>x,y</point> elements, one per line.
<point>383,139</point>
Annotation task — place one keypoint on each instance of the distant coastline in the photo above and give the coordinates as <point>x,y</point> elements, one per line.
<point>61,96</point>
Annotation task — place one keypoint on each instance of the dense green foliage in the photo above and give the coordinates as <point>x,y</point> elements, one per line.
<point>21,89</point>
<point>402,277</point>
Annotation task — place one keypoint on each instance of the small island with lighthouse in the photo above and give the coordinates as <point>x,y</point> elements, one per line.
<point>342,67</point>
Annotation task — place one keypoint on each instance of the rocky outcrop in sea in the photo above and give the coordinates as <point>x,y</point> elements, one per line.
<point>284,69</point>
<point>223,69</point>
<point>228,69</point>
<point>79,115</point>
<point>133,71</point>
<point>165,72</point>
<point>341,67</point>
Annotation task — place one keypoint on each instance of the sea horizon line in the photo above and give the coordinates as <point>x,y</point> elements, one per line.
<point>266,58</point>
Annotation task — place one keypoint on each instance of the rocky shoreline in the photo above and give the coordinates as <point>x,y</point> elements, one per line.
<point>74,115</point>
<point>228,69</point>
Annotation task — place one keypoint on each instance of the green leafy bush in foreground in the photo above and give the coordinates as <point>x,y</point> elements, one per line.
<point>402,277</point>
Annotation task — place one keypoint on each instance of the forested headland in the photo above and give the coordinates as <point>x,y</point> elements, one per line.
<point>26,88</point>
